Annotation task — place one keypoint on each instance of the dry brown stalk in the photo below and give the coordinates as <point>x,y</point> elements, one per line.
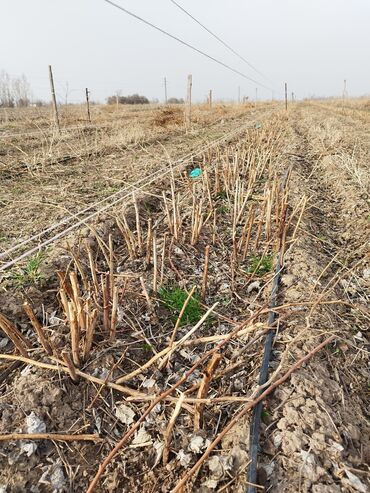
<point>106,302</point>
<point>168,431</point>
<point>259,227</point>
<point>158,399</point>
<point>208,339</point>
<point>59,437</point>
<point>43,338</point>
<point>61,367</point>
<point>146,294</point>
<point>205,272</point>
<point>155,263</point>
<point>79,268</point>
<point>163,258</point>
<point>214,227</point>
<point>18,339</point>
<point>149,239</point>
<point>111,264</point>
<point>114,316</point>
<point>195,400</point>
<point>90,329</point>
<point>138,226</point>
<point>170,225</point>
<point>64,284</point>
<point>76,299</point>
<point>64,303</point>
<point>251,222</point>
<point>204,387</point>
<point>71,367</point>
<point>75,333</point>
<point>127,236</point>
<point>244,411</point>
<point>94,275</point>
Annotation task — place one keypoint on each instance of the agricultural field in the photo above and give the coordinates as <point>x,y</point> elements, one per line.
<point>150,276</point>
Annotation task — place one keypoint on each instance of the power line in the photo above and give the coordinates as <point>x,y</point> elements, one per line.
<point>185,43</point>
<point>218,39</point>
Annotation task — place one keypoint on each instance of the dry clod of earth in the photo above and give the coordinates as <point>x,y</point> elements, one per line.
<point>146,327</point>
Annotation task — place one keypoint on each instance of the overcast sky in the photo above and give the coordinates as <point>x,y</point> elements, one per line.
<point>312,44</point>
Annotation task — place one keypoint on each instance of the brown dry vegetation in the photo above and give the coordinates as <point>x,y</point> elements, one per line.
<point>107,308</point>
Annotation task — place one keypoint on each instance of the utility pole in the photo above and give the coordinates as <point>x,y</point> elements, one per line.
<point>345,92</point>
<point>210,99</point>
<point>286,96</point>
<point>188,103</point>
<point>239,95</point>
<point>165,90</point>
<point>56,115</point>
<point>88,104</point>
<point>292,97</point>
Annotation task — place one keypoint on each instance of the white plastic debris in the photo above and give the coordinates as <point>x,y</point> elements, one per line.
<point>54,476</point>
<point>183,458</point>
<point>158,447</point>
<point>253,286</point>
<point>54,320</point>
<point>356,483</point>
<point>57,479</point>
<point>196,444</point>
<point>148,383</point>
<point>28,448</point>
<point>277,439</point>
<point>3,343</point>
<point>26,371</point>
<point>2,488</point>
<point>218,465</point>
<point>125,414</point>
<point>211,484</point>
<point>142,438</point>
<point>34,424</point>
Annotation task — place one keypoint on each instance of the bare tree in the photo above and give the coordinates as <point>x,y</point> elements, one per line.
<point>14,91</point>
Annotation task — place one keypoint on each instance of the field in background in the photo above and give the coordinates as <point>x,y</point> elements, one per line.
<point>45,176</point>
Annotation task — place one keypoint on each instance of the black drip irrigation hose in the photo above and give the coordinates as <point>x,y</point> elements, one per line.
<point>257,410</point>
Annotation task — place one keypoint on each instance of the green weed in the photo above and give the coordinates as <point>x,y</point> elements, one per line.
<point>147,347</point>
<point>259,265</point>
<point>31,274</point>
<point>222,209</point>
<point>174,298</point>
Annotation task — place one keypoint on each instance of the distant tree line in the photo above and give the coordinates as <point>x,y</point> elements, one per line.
<point>137,99</point>
<point>175,101</point>
<point>14,91</point>
<point>133,99</point>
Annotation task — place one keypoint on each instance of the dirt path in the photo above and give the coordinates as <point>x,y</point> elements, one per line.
<point>318,432</point>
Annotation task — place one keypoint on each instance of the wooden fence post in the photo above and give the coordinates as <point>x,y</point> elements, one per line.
<point>88,104</point>
<point>188,103</point>
<point>56,115</point>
